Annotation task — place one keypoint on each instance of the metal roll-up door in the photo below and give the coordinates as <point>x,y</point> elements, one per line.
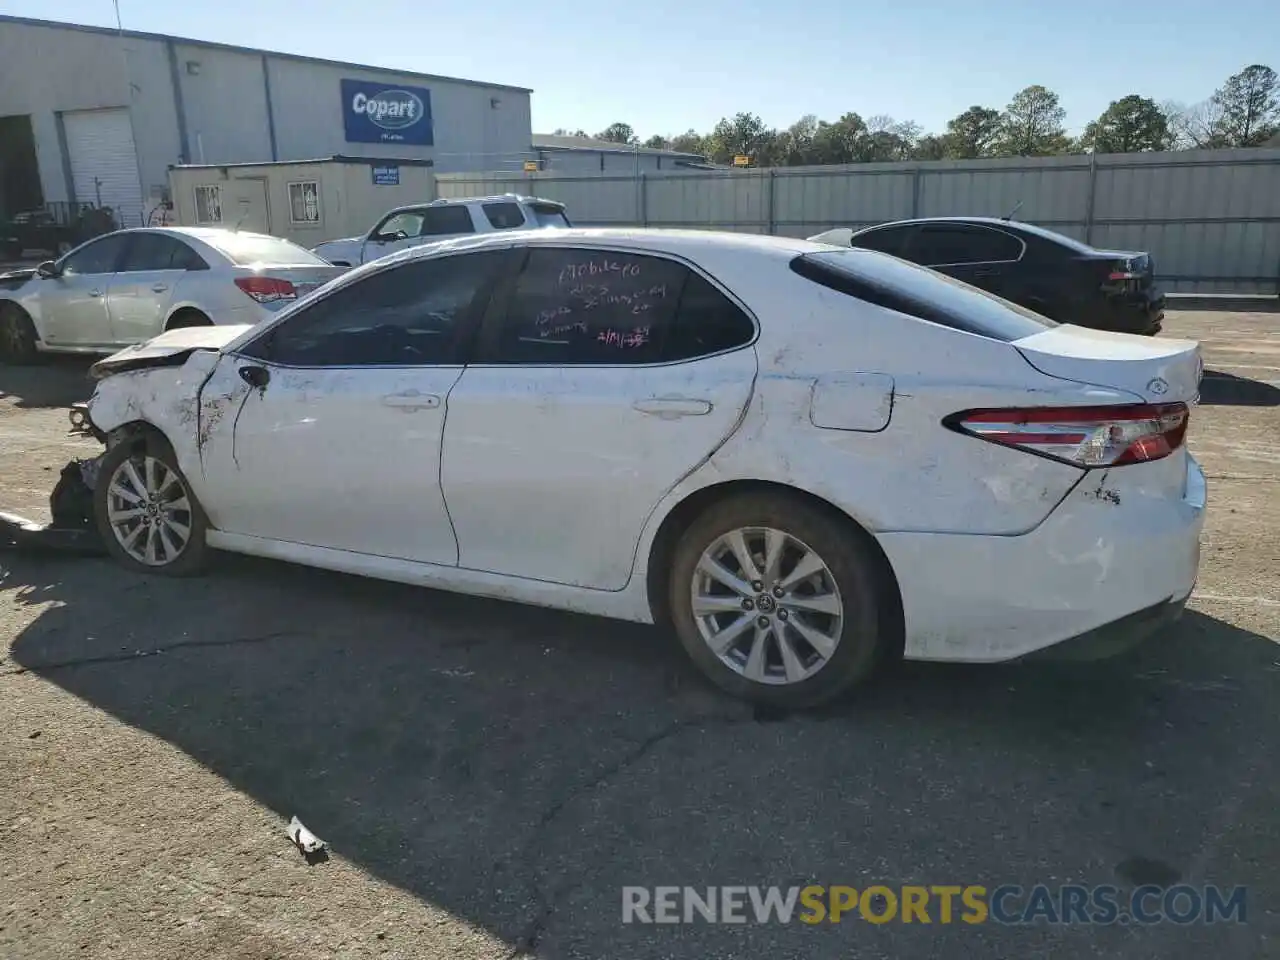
<point>104,162</point>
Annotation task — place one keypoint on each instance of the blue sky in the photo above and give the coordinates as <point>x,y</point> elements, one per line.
<point>666,65</point>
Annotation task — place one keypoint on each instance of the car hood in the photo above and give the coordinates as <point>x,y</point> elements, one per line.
<point>325,243</point>
<point>168,349</point>
<point>14,277</point>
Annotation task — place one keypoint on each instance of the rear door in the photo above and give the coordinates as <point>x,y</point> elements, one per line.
<point>600,381</point>
<point>983,256</point>
<point>143,287</point>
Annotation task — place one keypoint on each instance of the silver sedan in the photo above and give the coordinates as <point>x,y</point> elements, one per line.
<point>128,286</point>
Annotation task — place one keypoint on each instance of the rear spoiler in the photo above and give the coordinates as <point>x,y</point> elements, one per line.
<point>838,237</point>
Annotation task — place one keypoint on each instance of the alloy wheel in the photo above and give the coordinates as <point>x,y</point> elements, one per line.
<point>149,510</point>
<point>767,605</point>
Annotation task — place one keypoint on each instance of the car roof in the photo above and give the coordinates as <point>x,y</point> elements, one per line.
<point>463,201</point>
<point>1013,226</point>
<point>687,242</point>
<point>202,233</point>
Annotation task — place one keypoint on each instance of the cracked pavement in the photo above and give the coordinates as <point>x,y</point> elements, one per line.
<point>488,776</point>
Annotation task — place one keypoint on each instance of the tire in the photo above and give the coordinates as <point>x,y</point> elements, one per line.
<point>187,318</point>
<point>17,337</point>
<point>145,455</point>
<point>847,565</point>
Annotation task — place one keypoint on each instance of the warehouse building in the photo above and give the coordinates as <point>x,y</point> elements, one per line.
<point>571,156</point>
<point>94,115</point>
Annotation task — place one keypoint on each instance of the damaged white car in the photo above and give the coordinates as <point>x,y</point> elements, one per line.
<point>806,460</point>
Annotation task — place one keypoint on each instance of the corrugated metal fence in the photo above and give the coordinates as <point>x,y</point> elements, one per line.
<point>1211,218</point>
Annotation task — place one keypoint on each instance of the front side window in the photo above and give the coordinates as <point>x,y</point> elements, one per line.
<point>891,240</point>
<point>943,244</point>
<point>304,202</point>
<point>919,292</point>
<point>153,251</point>
<point>99,256</point>
<point>400,226</point>
<point>576,306</point>
<point>209,204</point>
<point>408,315</point>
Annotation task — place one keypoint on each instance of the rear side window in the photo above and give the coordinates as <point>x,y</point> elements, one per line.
<point>706,322</point>
<point>548,215</point>
<point>504,216</point>
<point>945,243</point>
<point>917,292</point>
<point>245,249</point>
<point>443,221</point>
<point>577,306</point>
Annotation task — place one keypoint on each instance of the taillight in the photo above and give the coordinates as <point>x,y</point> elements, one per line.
<point>1082,436</point>
<point>1131,268</point>
<point>267,289</point>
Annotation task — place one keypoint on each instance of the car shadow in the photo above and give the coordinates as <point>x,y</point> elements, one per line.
<point>1218,388</point>
<point>518,766</point>
<point>56,381</point>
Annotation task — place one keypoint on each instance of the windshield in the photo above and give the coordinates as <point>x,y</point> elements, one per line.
<point>920,292</point>
<point>244,249</point>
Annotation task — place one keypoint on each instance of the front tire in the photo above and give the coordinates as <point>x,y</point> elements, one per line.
<point>776,601</point>
<point>17,337</point>
<point>147,515</point>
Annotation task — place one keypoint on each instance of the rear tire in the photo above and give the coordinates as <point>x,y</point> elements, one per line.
<point>147,515</point>
<point>792,632</point>
<point>188,318</point>
<point>17,337</point>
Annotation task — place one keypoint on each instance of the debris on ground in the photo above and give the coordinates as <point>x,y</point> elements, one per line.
<point>73,529</point>
<point>311,846</point>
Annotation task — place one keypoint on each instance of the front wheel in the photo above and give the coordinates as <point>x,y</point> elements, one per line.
<point>17,337</point>
<point>147,515</point>
<point>776,602</point>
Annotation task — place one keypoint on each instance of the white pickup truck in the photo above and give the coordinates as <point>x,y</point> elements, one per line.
<point>419,223</point>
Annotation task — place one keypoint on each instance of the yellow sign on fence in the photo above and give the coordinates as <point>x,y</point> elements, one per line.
<point>531,166</point>
<point>741,161</point>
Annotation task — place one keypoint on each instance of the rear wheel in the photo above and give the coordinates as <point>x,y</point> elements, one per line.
<point>188,318</point>
<point>17,336</point>
<point>776,602</point>
<point>147,515</point>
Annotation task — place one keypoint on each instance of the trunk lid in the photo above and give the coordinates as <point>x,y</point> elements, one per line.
<point>168,349</point>
<point>1159,370</point>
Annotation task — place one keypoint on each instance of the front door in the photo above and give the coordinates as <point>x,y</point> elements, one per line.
<point>73,306</point>
<point>340,445</point>
<point>602,381</point>
<point>144,285</point>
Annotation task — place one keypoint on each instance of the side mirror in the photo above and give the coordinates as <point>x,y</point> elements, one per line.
<point>48,270</point>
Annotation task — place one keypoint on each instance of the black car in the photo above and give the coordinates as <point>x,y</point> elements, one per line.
<point>1055,276</point>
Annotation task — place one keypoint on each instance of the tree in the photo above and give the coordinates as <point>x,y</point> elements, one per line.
<point>1129,125</point>
<point>1031,125</point>
<point>1248,107</point>
<point>795,145</point>
<point>887,140</point>
<point>931,147</point>
<point>839,142</point>
<point>744,134</point>
<point>657,142</point>
<point>691,142</point>
<point>973,133</point>
<point>618,133</point>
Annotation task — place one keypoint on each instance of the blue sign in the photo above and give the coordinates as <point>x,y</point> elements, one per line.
<point>378,113</point>
<point>386,176</point>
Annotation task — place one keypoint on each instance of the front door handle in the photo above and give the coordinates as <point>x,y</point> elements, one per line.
<point>158,288</point>
<point>411,400</point>
<point>95,293</point>
<point>668,408</point>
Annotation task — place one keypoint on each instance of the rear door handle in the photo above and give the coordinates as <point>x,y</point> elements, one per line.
<point>668,408</point>
<point>158,288</point>
<point>411,400</point>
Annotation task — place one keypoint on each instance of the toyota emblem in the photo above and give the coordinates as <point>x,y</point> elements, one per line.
<point>1158,386</point>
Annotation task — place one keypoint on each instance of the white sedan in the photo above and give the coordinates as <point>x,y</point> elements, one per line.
<point>126,287</point>
<point>806,460</point>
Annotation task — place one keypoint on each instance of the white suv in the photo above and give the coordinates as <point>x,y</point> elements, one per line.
<point>416,224</point>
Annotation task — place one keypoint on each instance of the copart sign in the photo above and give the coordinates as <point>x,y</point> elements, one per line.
<point>378,113</point>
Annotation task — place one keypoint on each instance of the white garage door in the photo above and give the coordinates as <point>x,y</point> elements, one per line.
<point>104,162</point>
